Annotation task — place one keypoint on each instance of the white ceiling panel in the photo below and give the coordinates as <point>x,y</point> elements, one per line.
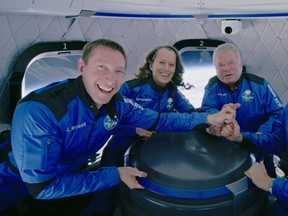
<point>151,8</point>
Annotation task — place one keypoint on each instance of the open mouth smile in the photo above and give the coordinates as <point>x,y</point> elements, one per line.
<point>105,89</point>
<point>165,74</point>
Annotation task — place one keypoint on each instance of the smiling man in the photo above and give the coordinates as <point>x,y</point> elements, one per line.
<point>155,87</point>
<point>101,79</point>
<point>260,105</point>
<point>57,128</point>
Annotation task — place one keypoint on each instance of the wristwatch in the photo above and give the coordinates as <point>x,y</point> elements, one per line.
<point>208,130</point>
<point>270,184</point>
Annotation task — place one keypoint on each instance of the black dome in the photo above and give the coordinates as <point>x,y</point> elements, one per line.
<point>191,173</point>
<point>190,161</point>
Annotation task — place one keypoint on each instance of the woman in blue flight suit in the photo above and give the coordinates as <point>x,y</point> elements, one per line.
<point>155,87</point>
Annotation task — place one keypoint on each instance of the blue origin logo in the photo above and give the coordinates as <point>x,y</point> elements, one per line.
<point>109,123</point>
<point>170,104</point>
<point>247,96</point>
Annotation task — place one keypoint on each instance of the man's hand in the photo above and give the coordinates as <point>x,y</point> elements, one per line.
<point>128,176</point>
<point>214,130</point>
<point>227,113</point>
<point>231,131</point>
<point>230,108</point>
<point>145,134</point>
<point>218,119</point>
<point>258,174</point>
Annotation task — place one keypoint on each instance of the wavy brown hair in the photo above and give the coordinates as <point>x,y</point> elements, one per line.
<point>146,72</point>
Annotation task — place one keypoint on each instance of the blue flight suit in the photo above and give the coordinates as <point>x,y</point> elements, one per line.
<point>260,106</point>
<point>56,129</point>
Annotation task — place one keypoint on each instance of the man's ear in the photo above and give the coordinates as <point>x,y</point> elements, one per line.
<point>80,65</point>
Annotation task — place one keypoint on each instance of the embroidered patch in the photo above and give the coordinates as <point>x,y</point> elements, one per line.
<point>247,96</point>
<point>170,104</point>
<point>109,123</point>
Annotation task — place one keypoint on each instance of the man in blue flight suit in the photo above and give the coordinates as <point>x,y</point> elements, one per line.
<point>260,105</point>
<point>57,128</point>
<point>275,141</point>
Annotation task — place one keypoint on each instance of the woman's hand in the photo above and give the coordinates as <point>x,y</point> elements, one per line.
<point>145,134</point>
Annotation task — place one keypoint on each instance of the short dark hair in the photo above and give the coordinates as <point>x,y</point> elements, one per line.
<point>88,48</point>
